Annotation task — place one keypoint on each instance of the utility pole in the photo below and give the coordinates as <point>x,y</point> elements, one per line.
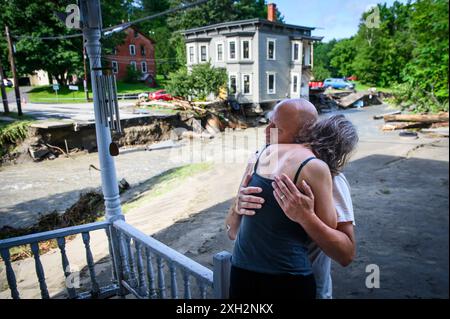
<point>14,71</point>
<point>92,24</point>
<point>86,90</point>
<point>4,95</point>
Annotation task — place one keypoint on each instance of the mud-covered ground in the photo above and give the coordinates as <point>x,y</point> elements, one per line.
<point>399,189</point>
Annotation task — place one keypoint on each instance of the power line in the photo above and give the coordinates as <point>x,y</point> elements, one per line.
<point>122,25</point>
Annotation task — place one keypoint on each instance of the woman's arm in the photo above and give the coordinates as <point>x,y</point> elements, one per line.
<point>338,244</point>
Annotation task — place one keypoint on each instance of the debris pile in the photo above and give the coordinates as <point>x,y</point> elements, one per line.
<point>333,99</point>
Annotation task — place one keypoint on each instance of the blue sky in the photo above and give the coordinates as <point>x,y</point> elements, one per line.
<point>333,18</point>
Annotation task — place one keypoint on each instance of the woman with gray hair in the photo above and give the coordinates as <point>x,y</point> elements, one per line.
<point>332,140</point>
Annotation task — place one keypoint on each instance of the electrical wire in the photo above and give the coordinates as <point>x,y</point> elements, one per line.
<point>125,24</point>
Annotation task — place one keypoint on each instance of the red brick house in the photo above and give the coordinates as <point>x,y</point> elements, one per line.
<point>137,50</point>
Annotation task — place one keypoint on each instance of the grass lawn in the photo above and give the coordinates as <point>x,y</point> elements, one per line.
<point>363,87</point>
<point>45,93</point>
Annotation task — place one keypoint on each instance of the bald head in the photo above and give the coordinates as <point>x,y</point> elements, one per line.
<point>290,116</point>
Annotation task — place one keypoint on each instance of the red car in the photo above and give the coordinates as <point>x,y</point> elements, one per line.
<point>160,95</point>
<point>315,84</point>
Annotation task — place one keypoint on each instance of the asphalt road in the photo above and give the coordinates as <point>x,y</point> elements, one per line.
<point>76,111</point>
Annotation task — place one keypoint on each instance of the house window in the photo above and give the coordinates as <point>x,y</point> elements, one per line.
<point>114,51</point>
<point>246,84</point>
<point>144,67</point>
<point>271,49</point>
<point>203,53</point>
<point>233,83</point>
<point>306,54</point>
<point>136,33</point>
<point>232,50</point>
<point>191,53</point>
<point>219,49</point>
<point>294,83</point>
<point>133,64</point>
<point>115,66</point>
<point>132,49</point>
<point>271,83</point>
<point>246,54</point>
<point>142,50</point>
<point>295,51</point>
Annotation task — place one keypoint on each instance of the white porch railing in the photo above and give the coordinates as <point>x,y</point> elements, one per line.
<point>142,266</point>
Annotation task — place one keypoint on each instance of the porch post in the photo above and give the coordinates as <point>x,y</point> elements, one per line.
<point>92,24</point>
<point>221,274</point>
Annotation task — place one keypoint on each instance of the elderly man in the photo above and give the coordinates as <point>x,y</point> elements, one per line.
<point>289,118</point>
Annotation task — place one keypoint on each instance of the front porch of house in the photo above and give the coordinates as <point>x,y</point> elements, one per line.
<point>142,267</point>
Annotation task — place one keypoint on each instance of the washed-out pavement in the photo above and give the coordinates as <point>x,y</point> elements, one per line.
<point>399,189</point>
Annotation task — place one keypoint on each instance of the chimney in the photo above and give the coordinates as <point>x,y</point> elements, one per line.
<point>272,12</point>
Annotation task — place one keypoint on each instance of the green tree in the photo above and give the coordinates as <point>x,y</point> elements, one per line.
<point>427,70</point>
<point>201,81</point>
<point>341,57</point>
<point>322,67</point>
<point>37,18</point>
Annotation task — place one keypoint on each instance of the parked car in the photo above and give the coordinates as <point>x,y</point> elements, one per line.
<point>160,95</point>
<point>338,83</point>
<point>7,82</point>
<point>315,85</point>
<point>352,78</point>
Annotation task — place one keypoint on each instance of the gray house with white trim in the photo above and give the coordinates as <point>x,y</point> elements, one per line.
<point>266,61</point>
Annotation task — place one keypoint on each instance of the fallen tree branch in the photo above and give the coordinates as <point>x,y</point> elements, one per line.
<point>59,149</point>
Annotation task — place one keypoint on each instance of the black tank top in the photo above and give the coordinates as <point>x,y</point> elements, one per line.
<point>269,242</point>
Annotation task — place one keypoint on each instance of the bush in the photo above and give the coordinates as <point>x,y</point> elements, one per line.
<point>417,100</point>
<point>133,75</point>
<point>203,80</point>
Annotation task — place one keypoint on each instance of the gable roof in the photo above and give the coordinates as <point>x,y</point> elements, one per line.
<point>141,33</point>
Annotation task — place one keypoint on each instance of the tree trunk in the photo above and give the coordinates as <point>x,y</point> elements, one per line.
<point>391,126</point>
<point>422,118</point>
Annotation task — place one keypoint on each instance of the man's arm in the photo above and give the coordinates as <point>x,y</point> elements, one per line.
<point>243,204</point>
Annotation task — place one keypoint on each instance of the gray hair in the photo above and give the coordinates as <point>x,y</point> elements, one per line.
<point>332,140</point>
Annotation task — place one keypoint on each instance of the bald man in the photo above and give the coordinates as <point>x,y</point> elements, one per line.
<point>287,121</point>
